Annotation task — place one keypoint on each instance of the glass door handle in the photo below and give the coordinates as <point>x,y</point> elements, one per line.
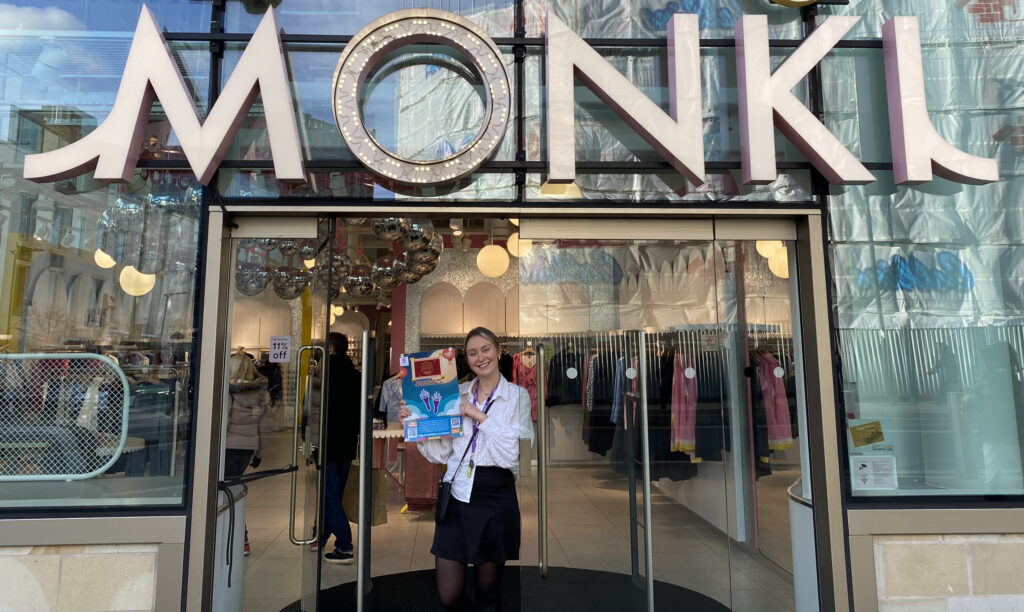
<point>307,444</point>
<point>542,465</point>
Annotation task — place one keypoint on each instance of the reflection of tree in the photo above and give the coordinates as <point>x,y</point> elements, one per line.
<point>47,324</point>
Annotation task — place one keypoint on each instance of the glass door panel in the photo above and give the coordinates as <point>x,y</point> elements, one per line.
<point>277,305</point>
<point>765,402</point>
<point>630,505</point>
<point>313,256</point>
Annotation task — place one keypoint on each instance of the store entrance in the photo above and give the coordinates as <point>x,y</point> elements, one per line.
<point>667,405</point>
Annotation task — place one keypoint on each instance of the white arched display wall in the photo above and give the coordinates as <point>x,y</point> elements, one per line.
<point>484,306</point>
<point>441,310</point>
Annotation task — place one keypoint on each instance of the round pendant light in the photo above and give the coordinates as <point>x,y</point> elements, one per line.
<point>103,260</point>
<point>779,264</point>
<point>136,283</point>
<point>768,248</point>
<point>492,261</point>
<point>517,245</point>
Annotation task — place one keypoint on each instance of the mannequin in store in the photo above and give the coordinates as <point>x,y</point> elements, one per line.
<point>482,526</point>
<point>248,419</point>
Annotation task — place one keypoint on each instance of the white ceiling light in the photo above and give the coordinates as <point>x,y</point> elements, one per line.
<point>779,265</point>
<point>103,260</point>
<point>492,261</point>
<point>309,263</point>
<point>136,283</point>
<point>456,225</point>
<point>514,222</point>
<point>768,248</point>
<point>517,245</point>
<point>334,318</point>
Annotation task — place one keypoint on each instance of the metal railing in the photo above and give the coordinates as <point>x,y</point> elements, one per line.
<point>63,416</point>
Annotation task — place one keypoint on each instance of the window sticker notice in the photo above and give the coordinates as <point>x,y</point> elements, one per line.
<point>280,349</point>
<point>866,434</point>
<point>873,472</point>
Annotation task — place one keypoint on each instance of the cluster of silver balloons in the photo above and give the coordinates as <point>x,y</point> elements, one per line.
<point>157,233</point>
<point>420,246</point>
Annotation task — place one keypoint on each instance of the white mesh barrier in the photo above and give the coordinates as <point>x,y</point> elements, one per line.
<point>62,416</point>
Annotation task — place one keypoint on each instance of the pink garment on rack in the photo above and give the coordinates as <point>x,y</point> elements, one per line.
<point>684,407</point>
<point>776,406</point>
<point>526,377</point>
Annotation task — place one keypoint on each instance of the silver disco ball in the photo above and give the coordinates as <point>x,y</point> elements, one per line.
<point>289,291</point>
<point>416,234</point>
<point>287,247</point>
<point>269,244</point>
<point>383,274</point>
<point>289,283</point>
<point>405,275</point>
<point>421,268</point>
<point>193,200</point>
<point>388,228</point>
<point>130,213</point>
<point>107,238</point>
<point>429,253</point>
<point>307,250</point>
<point>341,265</point>
<point>359,282</point>
<point>250,279</point>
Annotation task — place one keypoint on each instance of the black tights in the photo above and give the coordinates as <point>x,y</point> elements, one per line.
<point>451,583</point>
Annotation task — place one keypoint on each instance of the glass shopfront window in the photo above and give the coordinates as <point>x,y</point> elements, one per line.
<point>98,279</point>
<point>649,18</point>
<point>96,335</point>
<point>91,17</point>
<point>329,17</point>
<point>928,302</point>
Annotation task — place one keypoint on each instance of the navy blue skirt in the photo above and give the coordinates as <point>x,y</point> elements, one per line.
<point>487,529</point>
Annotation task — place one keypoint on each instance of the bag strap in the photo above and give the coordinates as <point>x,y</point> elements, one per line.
<point>466,452</point>
<point>487,409</point>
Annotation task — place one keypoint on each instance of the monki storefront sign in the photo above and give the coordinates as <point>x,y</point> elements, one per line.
<point>765,100</point>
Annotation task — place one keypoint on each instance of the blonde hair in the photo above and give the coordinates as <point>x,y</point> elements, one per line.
<point>242,369</point>
<point>484,333</point>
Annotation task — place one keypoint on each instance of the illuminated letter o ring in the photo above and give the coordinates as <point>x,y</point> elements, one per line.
<point>416,26</point>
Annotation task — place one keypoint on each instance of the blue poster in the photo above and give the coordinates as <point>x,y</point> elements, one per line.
<point>430,388</point>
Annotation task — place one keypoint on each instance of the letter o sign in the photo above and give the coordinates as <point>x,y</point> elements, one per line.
<point>417,26</point>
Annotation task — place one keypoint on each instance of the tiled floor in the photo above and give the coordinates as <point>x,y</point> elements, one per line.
<point>589,528</point>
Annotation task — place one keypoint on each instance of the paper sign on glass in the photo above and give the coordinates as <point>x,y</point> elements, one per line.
<point>430,388</point>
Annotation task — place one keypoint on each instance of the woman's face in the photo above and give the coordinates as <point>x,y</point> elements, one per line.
<point>482,356</point>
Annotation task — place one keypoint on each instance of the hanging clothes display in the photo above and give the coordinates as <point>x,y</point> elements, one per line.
<point>776,405</point>
<point>524,374</point>
<point>562,389</point>
<point>684,405</point>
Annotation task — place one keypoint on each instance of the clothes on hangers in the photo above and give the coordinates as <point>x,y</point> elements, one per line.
<point>562,389</point>
<point>390,398</point>
<point>774,402</point>
<point>524,374</point>
<point>684,405</point>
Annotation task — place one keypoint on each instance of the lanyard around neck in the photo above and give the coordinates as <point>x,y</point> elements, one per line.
<point>486,408</point>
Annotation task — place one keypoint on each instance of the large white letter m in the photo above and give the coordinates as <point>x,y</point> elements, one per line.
<point>113,148</point>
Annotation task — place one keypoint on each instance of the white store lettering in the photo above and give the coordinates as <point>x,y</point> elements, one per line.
<point>766,101</point>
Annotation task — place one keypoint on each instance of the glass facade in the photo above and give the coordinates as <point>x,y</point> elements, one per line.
<point>928,301</point>
<point>927,280</point>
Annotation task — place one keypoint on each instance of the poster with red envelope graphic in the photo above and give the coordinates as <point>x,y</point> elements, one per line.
<point>430,388</point>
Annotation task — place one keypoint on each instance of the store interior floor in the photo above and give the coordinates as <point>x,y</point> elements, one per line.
<point>589,527</point>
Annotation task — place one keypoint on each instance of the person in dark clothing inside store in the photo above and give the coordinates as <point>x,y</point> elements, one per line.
<point>341,431</point>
